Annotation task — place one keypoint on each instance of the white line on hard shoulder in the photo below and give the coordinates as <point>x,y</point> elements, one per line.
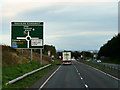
<point>49,77</point>
<point>102,72</point>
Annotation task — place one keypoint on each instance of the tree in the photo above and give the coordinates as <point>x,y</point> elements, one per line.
<point>111,49</point>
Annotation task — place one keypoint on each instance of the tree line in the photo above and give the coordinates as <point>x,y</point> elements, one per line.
<point>77,54</point>
<point>110,51</point>
<point>47,48</point>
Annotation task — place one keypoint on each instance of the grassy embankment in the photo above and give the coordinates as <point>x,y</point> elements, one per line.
<point>112,62</point>
<point>13,72</point>
<point>15,65</point>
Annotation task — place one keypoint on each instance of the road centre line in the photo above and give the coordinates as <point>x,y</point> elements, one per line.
<point>81,78</point>
<point>86,85</point>
<point>78,73</point>
<point>49,77</point>
<point>75,68</point>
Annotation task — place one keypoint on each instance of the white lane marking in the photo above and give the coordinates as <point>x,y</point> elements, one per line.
<point>86,85</point>
<point>78,73</point>
<point>81,78</point>
<point>50,77</point>
<point>102,72</point>
<point>77,70</point>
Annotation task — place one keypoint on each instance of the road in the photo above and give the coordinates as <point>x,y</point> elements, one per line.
<point>79,75</point>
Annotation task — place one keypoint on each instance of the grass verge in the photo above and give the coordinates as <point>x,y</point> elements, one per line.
<point>98,66</point>
<point>10,73</point>
<point>112,62</point>
<point>109,70</point>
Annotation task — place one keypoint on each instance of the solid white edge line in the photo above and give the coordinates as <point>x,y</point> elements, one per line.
<point>49,77</point>
<point>102,72</point>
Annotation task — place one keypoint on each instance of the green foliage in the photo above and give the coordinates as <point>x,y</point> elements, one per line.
<point>48,48</point>
<point>75,54</point>
<point>8,48</point>
<point>29,80</point>
<point>12,72</point>
<point>111,49</point>
<point>87,54</point>
<point>58,54</point>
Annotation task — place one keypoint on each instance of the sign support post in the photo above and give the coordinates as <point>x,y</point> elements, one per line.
<point>40,56</point>
<point>31,54</point>
<point>27,35</point>
<point>22,52</point>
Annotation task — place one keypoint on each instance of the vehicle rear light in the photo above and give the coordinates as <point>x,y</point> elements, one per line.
<point>70,62</point>
<point>63,62</point>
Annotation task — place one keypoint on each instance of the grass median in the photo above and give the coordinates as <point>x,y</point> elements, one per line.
<point>110,70</point>
<point>97,65</point>
<point>10,73</point>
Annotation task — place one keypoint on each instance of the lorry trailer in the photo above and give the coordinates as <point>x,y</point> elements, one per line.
<point>66,57</point>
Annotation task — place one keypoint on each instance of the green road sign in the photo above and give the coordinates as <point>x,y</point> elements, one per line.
<point>66,54</point>
<point>27,35</point>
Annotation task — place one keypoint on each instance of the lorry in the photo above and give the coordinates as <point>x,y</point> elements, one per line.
<point>66,57</point>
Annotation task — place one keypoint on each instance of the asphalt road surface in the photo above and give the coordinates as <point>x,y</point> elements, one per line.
<point>79,75</point>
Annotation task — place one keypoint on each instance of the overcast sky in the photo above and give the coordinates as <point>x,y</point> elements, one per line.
<point>75,25</point>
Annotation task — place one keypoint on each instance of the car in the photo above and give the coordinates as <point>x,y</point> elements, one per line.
<point>98,61</point>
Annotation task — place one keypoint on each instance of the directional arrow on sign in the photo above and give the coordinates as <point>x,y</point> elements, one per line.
<point>28,38</point>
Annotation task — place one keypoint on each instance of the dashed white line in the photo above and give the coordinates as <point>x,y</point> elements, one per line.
<point>86,85</point>
<point>49,77</point>
<point>77,70</point>
<point>81,77</point>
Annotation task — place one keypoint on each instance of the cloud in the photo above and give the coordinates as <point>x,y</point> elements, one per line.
<point>60,1</point>
<point>82,25</point>
<point>15,8</point>
<point>80,34</point>
<point>5,39</point>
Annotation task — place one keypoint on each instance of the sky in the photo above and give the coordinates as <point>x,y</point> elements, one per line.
<point>68,24</point>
